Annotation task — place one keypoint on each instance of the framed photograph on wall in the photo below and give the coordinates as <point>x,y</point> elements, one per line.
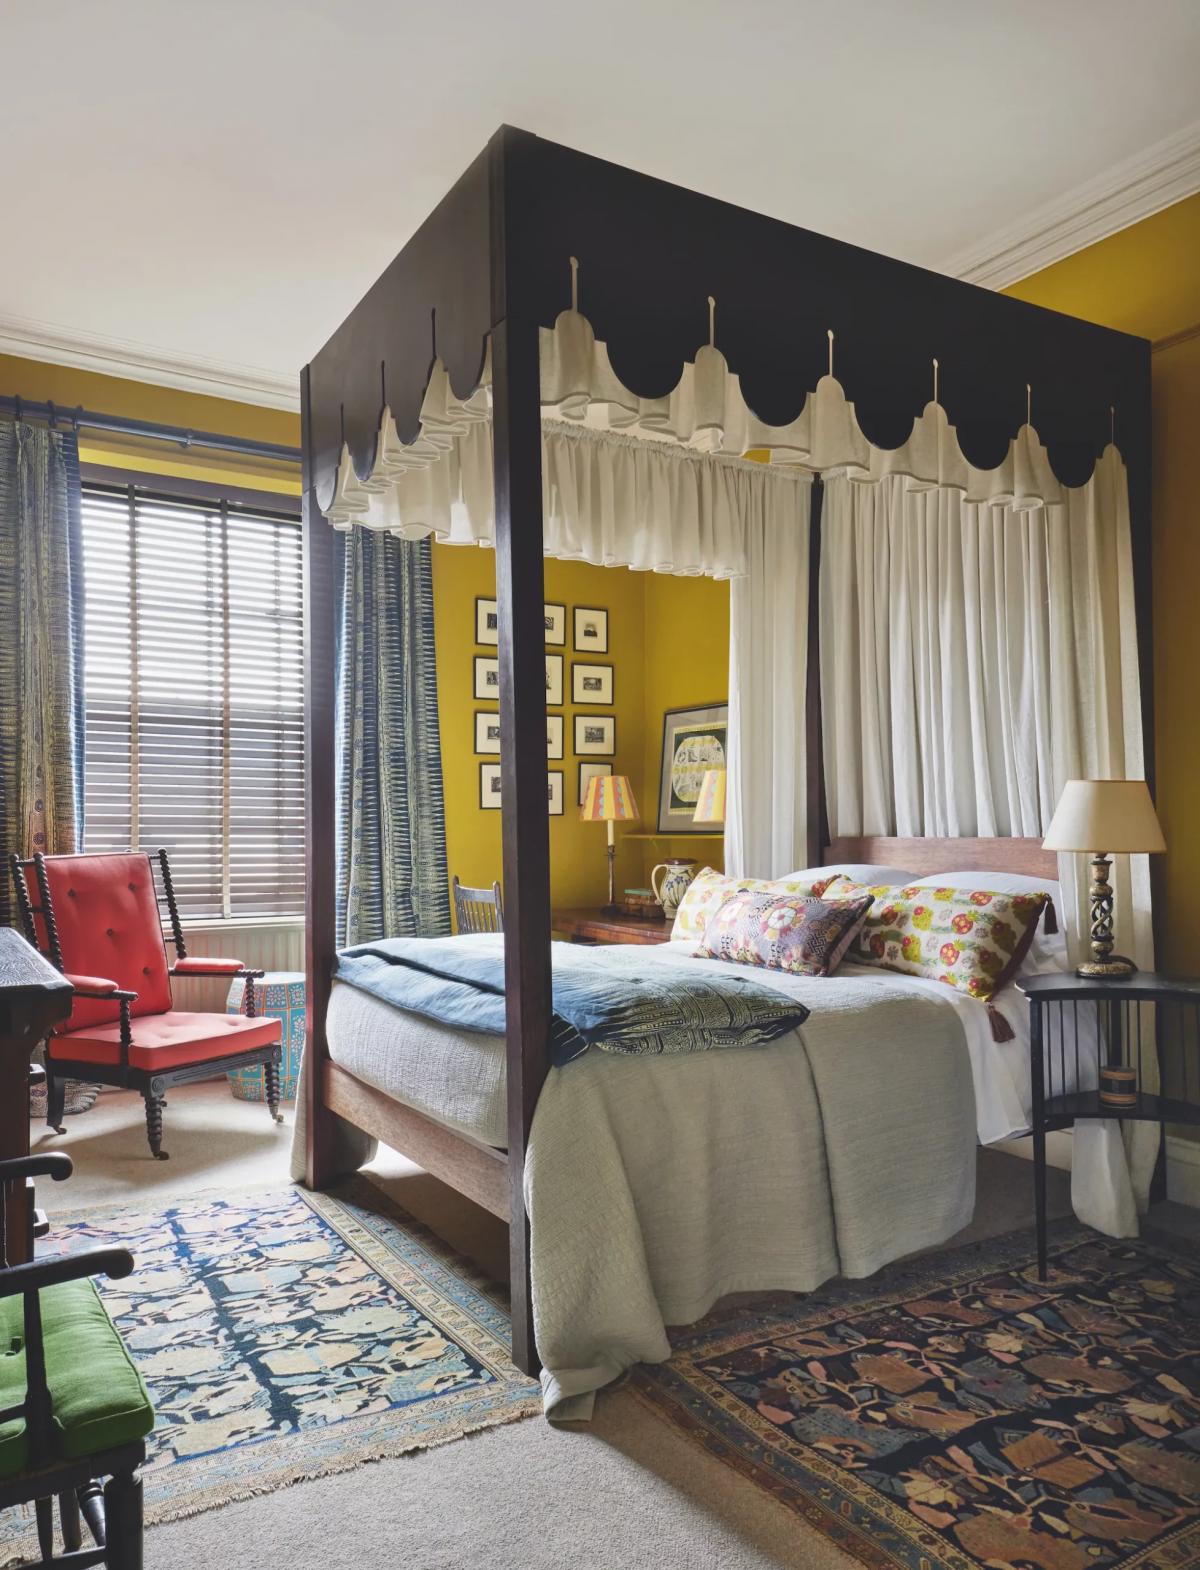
<point>596,735</point>
<point>487,677</point>
<point>489,787</point>
<point>693,743</point>
<point>591,630</point>
<point>554,735</point>
<point>554,678</point>
<point>554,792</point>
<point>556,625</point>
<point>487,732</point>
<point>591,683</point>
<point>589,771</point>
<point>487,622</point>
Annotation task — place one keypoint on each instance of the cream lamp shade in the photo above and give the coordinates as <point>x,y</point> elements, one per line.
<point>710,804</point>
<point>609,799</point>
<point>1105,816</point>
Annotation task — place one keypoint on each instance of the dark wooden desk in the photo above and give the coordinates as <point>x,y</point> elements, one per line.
<point>33,997</point>
<point>589,926</point>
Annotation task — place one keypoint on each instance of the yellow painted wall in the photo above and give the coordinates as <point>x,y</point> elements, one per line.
<point>659,662</point>
<point>1146,280</point>
<point>69,388</point>
<point>687,665</point>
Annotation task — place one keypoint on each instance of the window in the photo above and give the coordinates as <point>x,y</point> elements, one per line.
<point>193,692</point>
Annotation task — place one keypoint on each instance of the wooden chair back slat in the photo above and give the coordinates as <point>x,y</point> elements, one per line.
<point>478,910</point>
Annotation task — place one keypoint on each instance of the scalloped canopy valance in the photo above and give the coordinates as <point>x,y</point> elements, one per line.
<point>441,483</point>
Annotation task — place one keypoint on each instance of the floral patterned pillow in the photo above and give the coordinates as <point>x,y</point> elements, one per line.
<point>709,890</point>
<point>972,939</point>
<point>798,933</point>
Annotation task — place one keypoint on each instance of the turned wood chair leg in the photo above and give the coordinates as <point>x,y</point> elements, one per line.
<point>44,1510</point>
<point>90,1497</point>
<point>123,1521</point>
<point>154,1112</point>
<point>56,1100</point>
<point>271,1075</point>
<point>68,1515</point>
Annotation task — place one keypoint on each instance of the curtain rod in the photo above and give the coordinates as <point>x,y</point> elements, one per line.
<point>119,424</point>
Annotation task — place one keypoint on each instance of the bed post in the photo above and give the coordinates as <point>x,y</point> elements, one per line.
<point>320,941</point>
<point>520,593</point>
<point>818,833</point>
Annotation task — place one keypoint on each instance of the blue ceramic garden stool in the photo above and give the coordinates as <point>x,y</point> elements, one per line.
<point>278,995</point>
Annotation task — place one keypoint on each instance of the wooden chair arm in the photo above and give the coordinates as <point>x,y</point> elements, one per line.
<point>51,1164</point>
<point>99,987</point>
<point>37,1274</point>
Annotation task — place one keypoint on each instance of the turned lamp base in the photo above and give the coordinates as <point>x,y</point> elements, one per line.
<point>1104,964</point>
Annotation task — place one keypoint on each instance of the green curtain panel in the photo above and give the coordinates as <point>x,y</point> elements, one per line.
<point>41,644</point>
<point>392,878</point>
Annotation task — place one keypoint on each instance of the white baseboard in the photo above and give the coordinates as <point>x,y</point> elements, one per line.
<point>1183,1170</point>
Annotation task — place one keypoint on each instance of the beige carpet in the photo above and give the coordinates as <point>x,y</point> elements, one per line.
<point>625,1491</point>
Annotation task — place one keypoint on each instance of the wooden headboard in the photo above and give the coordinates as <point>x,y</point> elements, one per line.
<point>926,856</point>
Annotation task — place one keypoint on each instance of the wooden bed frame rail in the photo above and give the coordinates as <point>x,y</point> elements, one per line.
<point>491,264</point>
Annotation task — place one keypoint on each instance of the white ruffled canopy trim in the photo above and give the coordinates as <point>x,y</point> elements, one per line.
<point>441,484</point>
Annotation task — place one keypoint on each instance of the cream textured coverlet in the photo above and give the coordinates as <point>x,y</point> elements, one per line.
<point>657,1185</point>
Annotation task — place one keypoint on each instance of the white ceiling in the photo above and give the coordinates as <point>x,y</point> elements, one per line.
<point>223,179</point>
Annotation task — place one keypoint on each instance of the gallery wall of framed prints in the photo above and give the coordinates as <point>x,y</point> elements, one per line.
<point>592,736</point>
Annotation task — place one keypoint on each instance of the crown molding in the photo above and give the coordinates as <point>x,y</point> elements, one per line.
<point>193,373</point>
<point>1123,195</point>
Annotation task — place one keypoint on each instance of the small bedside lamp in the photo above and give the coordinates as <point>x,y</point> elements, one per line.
<point>1119,815</point>
<point>609,798</point>
<point>710,804</point>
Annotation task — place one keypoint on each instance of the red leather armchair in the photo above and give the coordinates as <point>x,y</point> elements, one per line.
<point>97,919</point>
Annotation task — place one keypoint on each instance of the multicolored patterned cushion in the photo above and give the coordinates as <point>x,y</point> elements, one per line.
<point>972,939</point>
<point>798,933</point>
<point>709,890</point>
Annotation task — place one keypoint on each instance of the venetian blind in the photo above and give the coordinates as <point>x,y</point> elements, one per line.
<point>193,691</point>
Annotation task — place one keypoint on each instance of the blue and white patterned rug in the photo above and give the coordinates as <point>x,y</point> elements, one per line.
<point>294,1335</point>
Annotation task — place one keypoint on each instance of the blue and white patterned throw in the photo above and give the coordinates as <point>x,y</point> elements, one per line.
<point>604,997</point>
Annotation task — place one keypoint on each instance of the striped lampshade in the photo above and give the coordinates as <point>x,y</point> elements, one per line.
<point>608,796</point>
<point>710,804</point>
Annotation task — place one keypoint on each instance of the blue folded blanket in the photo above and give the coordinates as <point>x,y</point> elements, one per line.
<point>605,997</point>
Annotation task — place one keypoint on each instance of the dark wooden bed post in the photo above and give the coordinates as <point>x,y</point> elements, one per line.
<point>517,455</point>
<point>320,896</point>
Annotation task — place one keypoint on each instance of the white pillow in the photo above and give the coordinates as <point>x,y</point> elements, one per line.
<point>1048,951</point>
<point>859,871</point>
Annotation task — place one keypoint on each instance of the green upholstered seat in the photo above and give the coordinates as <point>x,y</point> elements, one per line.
<point>98,1397</point>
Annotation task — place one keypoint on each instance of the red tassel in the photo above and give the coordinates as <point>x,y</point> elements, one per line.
<point>1001,1029</point>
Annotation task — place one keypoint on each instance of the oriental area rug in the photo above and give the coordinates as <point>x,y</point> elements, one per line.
<point>292,1335</point>
<point>955,1412</point>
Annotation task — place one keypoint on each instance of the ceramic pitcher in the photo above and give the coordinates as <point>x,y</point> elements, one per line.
<point>678,873</point>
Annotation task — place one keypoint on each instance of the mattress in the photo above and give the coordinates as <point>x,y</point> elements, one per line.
<point>453,1076</point>
<point>458,1077</point>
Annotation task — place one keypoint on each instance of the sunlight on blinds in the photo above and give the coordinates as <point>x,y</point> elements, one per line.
<point>193,683</point>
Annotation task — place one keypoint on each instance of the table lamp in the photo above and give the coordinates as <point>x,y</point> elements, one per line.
<point>1119,815</point>
<point>710,804</point>
<point>609,797</point>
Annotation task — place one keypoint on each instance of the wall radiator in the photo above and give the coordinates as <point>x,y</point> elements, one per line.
<point>272,946</point>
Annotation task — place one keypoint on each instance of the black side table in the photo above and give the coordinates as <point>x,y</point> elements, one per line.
<point>1099,1073</point>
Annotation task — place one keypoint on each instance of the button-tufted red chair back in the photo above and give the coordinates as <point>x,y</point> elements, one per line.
<point>107,922</point>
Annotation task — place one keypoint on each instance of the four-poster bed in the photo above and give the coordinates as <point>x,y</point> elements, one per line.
<point>476,299</point>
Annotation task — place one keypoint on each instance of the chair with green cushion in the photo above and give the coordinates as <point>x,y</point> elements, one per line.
<point>73,1408</point>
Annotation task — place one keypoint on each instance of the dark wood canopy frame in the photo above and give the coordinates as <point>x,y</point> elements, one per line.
<point>493,260</point>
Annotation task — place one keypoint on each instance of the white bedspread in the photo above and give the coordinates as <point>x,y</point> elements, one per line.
<point>657,1185</point>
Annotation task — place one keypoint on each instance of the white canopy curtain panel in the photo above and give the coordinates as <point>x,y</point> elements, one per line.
<point>974,657</point>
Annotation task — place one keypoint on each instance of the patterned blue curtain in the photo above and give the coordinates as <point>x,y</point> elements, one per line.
<point>392,823</point>
<point>41,645</point>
